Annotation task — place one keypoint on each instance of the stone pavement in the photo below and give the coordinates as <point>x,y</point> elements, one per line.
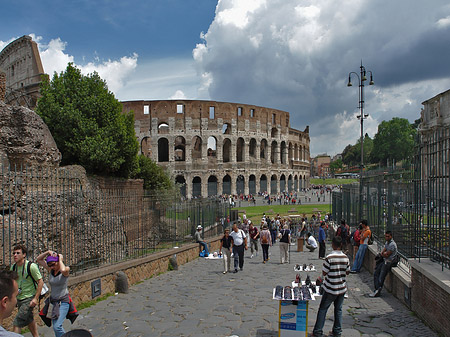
<point>198,300</point>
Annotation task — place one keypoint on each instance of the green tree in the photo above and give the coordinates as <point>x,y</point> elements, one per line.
<point>351,155</point>
<point>336,165</point>
<point>155,177</point>
<point>87,123</point>
<point>394,141</point>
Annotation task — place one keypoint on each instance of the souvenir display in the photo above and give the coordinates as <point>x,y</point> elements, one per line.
<point>287,293</point>
<point>297,294</point>
<point>278,293</point>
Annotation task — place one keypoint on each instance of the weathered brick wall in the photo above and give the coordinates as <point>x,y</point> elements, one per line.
<point>2,86</point>
<point>136,270</point>
<point>430,295</point>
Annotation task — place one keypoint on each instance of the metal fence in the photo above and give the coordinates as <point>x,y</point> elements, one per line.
<point>411,201</point>
<point>46,208</point>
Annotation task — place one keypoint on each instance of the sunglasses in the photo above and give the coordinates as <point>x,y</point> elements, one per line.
<point>17,253</point>
<point>51,264</point>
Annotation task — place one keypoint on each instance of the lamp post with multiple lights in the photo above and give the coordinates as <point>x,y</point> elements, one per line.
<point>361,79</point>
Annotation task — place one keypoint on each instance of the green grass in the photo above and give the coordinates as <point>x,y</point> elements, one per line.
<point>332,181</point>
<point>255,213</point>
<point>90,303</point>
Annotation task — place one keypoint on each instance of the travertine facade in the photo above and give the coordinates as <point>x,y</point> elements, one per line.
<point>21,62</point>
<point>215,148</point>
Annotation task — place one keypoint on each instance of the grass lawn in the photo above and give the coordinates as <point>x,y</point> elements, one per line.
<point>332,181</point>
<point>255,213</point>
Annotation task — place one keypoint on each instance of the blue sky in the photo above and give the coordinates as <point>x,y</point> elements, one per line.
<point>293,55</point>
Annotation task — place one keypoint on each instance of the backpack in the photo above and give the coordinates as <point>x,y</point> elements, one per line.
<point>28,266</point>
<point>356,237</point>
<point>370,242</point>
<point>264,239</point>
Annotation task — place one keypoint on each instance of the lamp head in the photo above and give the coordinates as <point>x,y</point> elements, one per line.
<point>371,79</point>
<point>349,84</point>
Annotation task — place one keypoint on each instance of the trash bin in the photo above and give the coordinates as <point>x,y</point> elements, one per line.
<point>300,244</point>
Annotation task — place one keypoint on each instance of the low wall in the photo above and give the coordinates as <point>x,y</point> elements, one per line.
<point>137,270</point>
<point>426,291</point>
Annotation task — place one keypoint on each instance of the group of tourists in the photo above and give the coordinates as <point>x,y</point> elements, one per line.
<point>347,246</point>
<point>22,286</point>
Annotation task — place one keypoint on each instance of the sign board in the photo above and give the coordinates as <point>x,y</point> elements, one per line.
<point>293,320</point>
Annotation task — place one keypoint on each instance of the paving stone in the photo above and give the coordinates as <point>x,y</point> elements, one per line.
<point>198,300</point>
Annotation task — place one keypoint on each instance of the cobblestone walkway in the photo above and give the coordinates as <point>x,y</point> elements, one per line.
<point>198,300</point>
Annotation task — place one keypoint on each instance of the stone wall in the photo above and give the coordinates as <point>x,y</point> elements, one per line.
<point>426,291</point>
<point>136,270</point>
<point>2,86</point>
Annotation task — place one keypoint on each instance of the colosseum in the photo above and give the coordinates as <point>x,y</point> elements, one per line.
<point>214,148</point>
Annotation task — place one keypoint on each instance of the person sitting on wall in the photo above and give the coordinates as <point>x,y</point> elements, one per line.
<point>198,238</point>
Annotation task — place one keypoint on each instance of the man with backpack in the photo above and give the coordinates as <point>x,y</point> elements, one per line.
<point>30,286</point>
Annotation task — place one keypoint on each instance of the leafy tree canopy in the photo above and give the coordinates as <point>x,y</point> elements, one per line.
<point>394,141</point>
<point>155,177</point>
<point>87,123</point>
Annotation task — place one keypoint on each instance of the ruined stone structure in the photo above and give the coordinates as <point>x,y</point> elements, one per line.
<point>21,62</point>
<point>215,148</point>
<point>2,86</point>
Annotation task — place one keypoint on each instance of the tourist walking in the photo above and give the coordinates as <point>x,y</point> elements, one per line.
<point>285,241</point>
<point>30,286</point>
<point>335,270</point>
<point>266,242</point>
<point>226,244</point>
<point>239,245</point>
<point>253,232</point>
<point>359,258</point>
<point>384,263</point>
<point>59,303</point>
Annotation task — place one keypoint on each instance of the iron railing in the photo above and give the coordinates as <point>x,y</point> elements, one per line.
<point>412,201</point>
<point>47,208</point>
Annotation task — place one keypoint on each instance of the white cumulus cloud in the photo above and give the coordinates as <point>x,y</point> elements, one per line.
<point>296,56</point>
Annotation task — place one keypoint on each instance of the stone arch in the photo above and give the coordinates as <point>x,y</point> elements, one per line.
<point>283,183</point>
<point>263,150</point>
<point>274,133</point>
<point>290,152</point>
<point>163,128</point>
<point>263,184</point>
<point>196,148</point>
<point>273,151</point>
<point>273,184</point>
<point>240,147</point>
<point>295,152</point>
<point>290,183</point>
<point>146,147</point>
<point>252,184</point>
<point>212,186</point>
<point>296,183</point>
<point>226,129</point>
<point>226,152</point>
<point>180,148</point>
<point>252,148</point>
<point>197,187</point>
<point>283,152</point>
<point>240,184</point>
<point>181,181</point>
<point>163,150</point>
<point>212,147</point>
<point>226,184</point>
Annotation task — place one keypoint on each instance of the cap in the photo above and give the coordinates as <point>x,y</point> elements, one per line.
<point>199,227</point>
<point>52,258</point>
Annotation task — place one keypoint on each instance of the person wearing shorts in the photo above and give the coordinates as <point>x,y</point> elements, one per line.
<point>28,296</point>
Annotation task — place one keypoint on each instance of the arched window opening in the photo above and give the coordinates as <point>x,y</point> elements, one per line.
<point>240,146</point>
<point>196,148</point>
<point>212,147</point>
<point>226,152</point>
<point>163,150</point>
<point>180,149</point>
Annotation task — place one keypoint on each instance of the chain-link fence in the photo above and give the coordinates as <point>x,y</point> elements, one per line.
<point>46,208</point>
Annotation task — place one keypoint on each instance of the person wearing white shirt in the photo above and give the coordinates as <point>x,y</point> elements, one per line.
<point>239,244</point>
<point>311,242</point>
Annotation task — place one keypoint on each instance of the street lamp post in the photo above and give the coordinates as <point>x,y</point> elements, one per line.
<point>361,79</point>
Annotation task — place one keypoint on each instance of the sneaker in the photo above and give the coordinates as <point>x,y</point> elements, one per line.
<point>264,261</point>
<point>251,256</point>
<point>235,271</point>
<point>225,272</point>
<point>240,269</point>
<point>353,272</point>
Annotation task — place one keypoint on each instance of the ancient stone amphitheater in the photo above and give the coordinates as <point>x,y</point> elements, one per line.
<point>215,148</point>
